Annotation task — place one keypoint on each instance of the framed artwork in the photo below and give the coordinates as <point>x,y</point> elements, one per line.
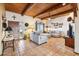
<point>57,25</point>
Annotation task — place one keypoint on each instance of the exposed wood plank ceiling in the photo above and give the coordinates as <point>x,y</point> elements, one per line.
<point>36,9</point>
<point>41,10</point>
<point>60,14</point>
<point>56,11</point>
<point>14,7</point>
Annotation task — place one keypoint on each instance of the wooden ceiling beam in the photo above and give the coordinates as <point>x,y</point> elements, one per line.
<point>50,9</point>
<point>59,14</point>
<point>75,8</point>
<point>38,8</point>
<point>54,4</point>
<point>56,11</point>
<point>26,8</point>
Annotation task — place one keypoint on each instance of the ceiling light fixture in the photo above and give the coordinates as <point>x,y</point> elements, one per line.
<point>63,4</point>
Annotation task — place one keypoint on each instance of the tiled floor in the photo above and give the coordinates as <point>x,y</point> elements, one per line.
<point>54,47</point>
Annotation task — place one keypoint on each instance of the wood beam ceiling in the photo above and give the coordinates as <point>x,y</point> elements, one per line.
<point>47,8</point>
<point>38,8</point>
<point>50,9</point>
<point>42,10</point>
<point>75,8</point>
<point>15,7</point>
<point>56,11</point>
<point>60,14</point>
<point>26,8</point>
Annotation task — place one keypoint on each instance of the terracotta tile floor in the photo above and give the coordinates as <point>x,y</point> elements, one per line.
<point>54,47</point>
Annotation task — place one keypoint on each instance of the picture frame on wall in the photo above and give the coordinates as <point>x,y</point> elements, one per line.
<point>57,25</point>
<point>60,25</point>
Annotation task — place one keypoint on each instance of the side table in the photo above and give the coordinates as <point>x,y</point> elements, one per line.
<point>8,42</point>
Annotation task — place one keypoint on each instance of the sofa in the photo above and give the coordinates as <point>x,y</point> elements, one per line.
<point>38,37</point>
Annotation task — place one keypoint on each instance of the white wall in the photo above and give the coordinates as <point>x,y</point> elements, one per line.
<point>62,19</point>
<point>19,18</point>
<point>22,19</point>
<point>77,32</point>
<point>77,35</point>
